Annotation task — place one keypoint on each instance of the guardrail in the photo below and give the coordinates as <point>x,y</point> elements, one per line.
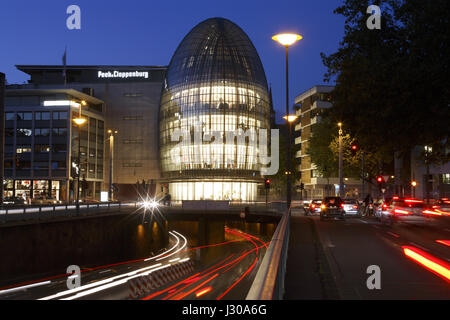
<point>49,211</point>
<point>269,280</point>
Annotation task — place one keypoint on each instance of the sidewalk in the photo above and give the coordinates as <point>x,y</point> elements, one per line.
<point>308,275</point>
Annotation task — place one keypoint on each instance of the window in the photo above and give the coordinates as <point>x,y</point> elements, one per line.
<point>59,131</point>
<point>59,148</point>
<point>38,148</point>
<point>9,116</point>
<point>131,164</point>
<point>58,165</point>
<point>59,115</point>
<point>133,95</point>
<point>23,149</point>
<point>133,118</point>
<point>100,124</point>
<point>42,132</point>
<point>9,132</point>
<point>42,115</point>
<point>133,141</point>
<point>24,116</point>
<point>446,178</point>
<point>23,132</point>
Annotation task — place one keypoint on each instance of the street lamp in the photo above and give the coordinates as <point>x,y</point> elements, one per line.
<point>79,121</point>
<point>341,182</point>
<point>111,155</point>
<point>288,39</point>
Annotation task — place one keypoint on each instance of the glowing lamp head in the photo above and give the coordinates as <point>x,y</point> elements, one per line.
<point>79,121</point>
<point>414,183</point>
<point>287,39</point>
<point>290,118</point>
<point>83,102</point>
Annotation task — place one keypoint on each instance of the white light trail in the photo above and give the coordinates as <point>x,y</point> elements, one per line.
<point>24,287</point>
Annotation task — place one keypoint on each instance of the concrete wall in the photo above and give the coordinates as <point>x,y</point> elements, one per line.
<point>44,249</point>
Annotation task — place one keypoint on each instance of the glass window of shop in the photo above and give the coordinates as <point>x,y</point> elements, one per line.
<point>40,189</point>
<point>8,188</point>
<point>23,189</point>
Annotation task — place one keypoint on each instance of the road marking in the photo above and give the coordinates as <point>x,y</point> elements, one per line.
<point>362,221</point>
<point>375,226</point>
<point>104,271</point>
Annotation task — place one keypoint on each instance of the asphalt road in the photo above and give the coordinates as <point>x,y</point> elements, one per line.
<point>220,271</point>
<point>329,260</point>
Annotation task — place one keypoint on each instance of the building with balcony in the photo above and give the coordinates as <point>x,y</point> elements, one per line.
<point>309,107</point>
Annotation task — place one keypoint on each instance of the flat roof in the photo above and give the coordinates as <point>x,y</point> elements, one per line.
<point>315,89</point>
<point>27,67</point>
<point>32,92</point>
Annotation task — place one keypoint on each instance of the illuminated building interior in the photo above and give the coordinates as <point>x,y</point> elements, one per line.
<point>215,83</point>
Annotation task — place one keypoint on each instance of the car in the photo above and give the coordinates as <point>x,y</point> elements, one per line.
<point>332,207</point>
<point>351,207</point>
<point>314,206</point>
<point>13,200</point>
<point>403,210</point>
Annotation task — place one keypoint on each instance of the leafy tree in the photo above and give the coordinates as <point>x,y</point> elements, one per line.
<point>392,84</point>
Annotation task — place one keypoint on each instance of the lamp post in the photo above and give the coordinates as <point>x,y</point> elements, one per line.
<point>341,181</point>
<point>288,39</point>
<point>111,155</point>
<point>79,121</point>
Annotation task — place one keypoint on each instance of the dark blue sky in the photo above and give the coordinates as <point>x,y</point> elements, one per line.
<point>147,32</point>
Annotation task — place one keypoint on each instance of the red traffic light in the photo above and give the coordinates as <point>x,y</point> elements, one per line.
<point>380,179</point>
<point>354,147</point>
<point>267,180</point>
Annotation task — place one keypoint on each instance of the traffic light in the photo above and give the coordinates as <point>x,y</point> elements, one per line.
<point>380,179</point>
<point>354,149</point>
<point>267,183</point>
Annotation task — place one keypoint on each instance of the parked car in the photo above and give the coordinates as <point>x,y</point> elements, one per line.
<point>332,207</point>
<point>13,200</point>
<point>351,207</point>
<point>314,207</point>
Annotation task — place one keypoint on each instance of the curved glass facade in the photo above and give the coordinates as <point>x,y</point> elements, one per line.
<point>215,87</point>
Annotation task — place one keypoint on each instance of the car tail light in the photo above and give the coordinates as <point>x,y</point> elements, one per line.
<point>399,211</point>
<point>313,206</point>
<point>384,206</point>
<point>342,205</point>
<point>431,212</point>
<point>355,207</point>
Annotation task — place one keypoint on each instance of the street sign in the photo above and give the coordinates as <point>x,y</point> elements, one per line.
<point>383,190</point>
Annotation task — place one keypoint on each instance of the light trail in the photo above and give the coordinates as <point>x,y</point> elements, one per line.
<point>24,287</point>
<point>431,263</point>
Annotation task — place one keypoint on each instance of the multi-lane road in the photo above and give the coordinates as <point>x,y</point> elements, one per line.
<point>332,259</point>
<point>228,277</point>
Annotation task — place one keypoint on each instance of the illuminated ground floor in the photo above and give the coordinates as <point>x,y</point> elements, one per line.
<point>213,190</point>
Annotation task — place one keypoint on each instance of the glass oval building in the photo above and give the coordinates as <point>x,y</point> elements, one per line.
<point>214,102</point>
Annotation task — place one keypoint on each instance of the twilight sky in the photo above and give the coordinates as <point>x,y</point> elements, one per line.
<point>147,32</point>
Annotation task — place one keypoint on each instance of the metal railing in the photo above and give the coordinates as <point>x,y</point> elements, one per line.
<point>26,213</point>
<point>269,280</point>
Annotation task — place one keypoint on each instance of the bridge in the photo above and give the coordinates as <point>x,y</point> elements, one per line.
<point>252,252</point>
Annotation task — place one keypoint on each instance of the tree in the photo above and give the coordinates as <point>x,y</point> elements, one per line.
<point>393,84</point>
<point>324,152</point>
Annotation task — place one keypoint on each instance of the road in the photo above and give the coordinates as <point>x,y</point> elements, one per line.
<point>226,277</point>
<point>329,260</point>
